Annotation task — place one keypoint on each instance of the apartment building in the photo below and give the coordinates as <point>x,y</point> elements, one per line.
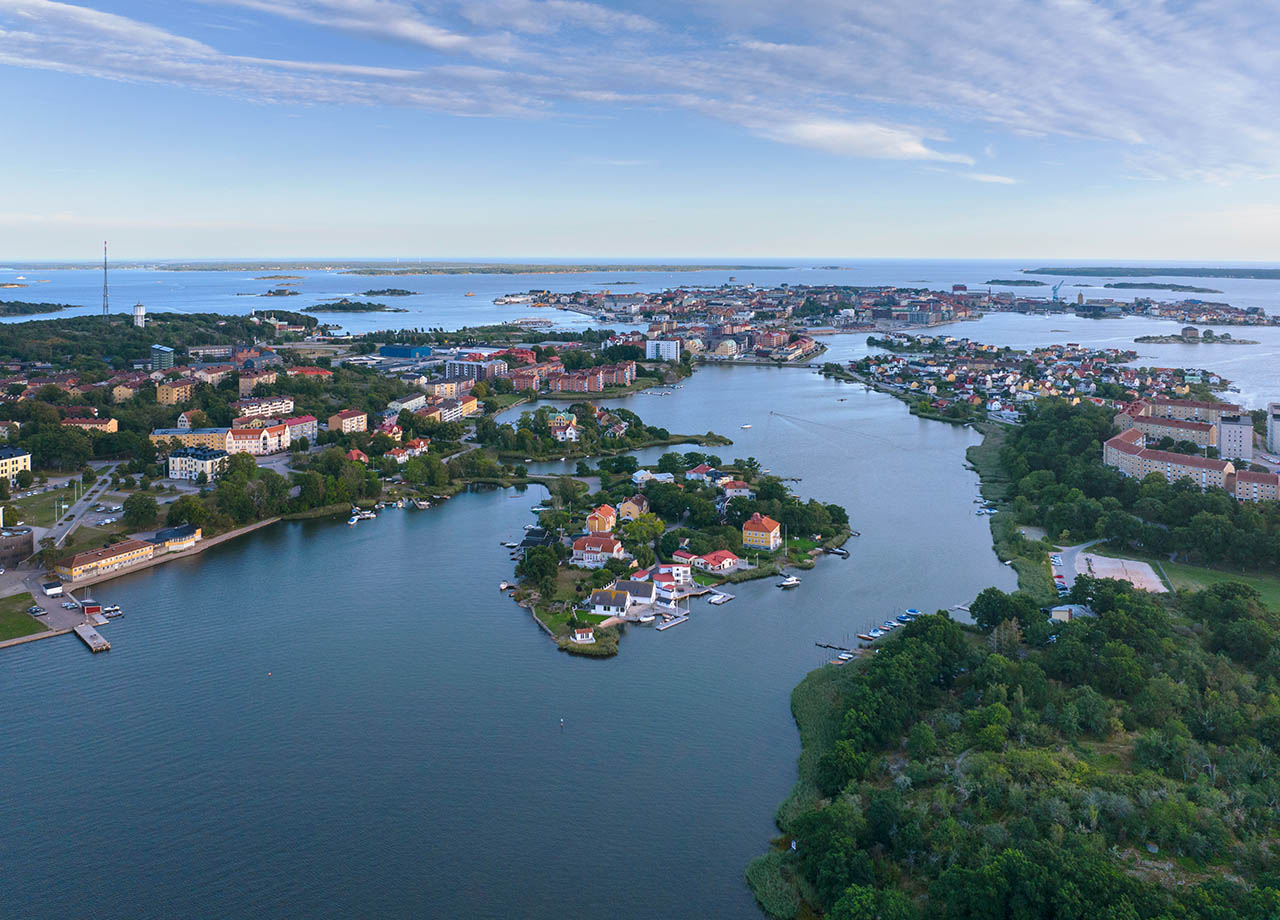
<point>191,437</point>
<point>174,392</point>
<point>258,441</point>
<point>12,462</point>
<point>269,406</point>
<point>190,462</point>
<point>348,421</point>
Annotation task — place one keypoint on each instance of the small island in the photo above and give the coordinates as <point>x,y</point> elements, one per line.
<point>278,278</point>
<point>1144,286</point>
<point>353,306</point>
<point>280,292</point>
<point>24,308</point>
<point>389,292</point>
<point>1192,336</point>
<point>1018,282</point>
<point>12,284</point>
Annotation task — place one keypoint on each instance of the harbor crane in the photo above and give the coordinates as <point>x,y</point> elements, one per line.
<point>1057,287</point>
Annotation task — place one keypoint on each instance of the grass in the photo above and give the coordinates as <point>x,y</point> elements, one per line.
<point>15,622</point>
<point>86,538</point>
<point>38,509</point>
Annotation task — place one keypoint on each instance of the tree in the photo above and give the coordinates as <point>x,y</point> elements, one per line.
<point>48,552</point>
<point>187,510</point>
<point>140,511</point>
<point>25,478</point>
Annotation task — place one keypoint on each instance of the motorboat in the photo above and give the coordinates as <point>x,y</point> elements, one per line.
<point>789,582</point>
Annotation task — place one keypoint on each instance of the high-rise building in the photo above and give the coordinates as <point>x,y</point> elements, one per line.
<point>1235,437</point>
<point>161,357</point>
<point>1273,427</point>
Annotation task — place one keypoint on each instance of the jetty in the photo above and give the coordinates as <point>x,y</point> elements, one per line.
<point>92,638</point>
<point>674,621</point>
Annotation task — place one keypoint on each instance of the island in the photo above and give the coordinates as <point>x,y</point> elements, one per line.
<point>1166,271</point>
<point>1192,336</point>
<point>1145,286</point>
<point>1018,282</point>
<point>389,292</point>
<point>278,278</point>
<point>25,308</point>
<point>280,292</point>
<point>353,306</point>
<point>12,284</point>
<point>633,552</point>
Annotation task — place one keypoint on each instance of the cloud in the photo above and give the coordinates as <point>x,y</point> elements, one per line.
<point>989,177</point>
<point>1148,88</point>
<point>861,139</point>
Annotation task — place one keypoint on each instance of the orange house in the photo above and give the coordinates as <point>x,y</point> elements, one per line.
<point>602,520</point>
<point>762,532</point>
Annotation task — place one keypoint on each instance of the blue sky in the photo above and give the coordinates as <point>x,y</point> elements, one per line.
<point>649,128</point>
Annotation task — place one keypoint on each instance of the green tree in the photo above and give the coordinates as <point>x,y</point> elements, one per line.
<point>140,511</point>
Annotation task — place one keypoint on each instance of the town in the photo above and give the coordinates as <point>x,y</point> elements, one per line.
<point>706,318</point>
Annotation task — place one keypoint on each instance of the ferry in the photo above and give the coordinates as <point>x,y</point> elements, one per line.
<point>789,582</point>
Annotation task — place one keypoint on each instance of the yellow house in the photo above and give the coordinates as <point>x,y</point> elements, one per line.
<point>174,392</point>
<point>602,520</point>
<point>633,507</point>
<point>762,532</point>
<point>12,462</point>
<point>107,559</point>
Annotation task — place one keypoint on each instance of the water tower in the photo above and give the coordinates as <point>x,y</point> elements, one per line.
<point>139,315</point>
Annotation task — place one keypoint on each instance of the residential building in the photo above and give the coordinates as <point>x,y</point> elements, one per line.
<point>445,389</point>
<point>408,404</point>
<point>251,380</point>
<point>190,437</point>
<point>107,559</point>
<point>348,421</point>
<point>602,520</point>
<point>584,635</point>
<point>1128,453</point>
<point>593,551</point>
<point>719,561</point>
<point>190,462</point>
<point>92,425</point>
<point>358,455</point>
<point>1273,428</point>
<point>609,603</point>
<point>213,374</point>
<point>564,426</point>
<point>161,357</point>
<point>258,441</point>
<point>175,392</point>
<point>633,507</point>
<point>1235,437</point>
<point>736,488</point>
<point>268,406</point>
<point>1190,409</point>
<point>302,426</point>
<point>475,370</point>
<point>641,592</point>
<point>12,462</point>
<point>761,532</point>
<point>1256,487</point>
<point>662,350</point>
<point>208,352</point>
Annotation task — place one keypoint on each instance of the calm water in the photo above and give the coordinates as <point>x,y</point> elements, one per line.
<point>441,300</point>
<point>405,755</point>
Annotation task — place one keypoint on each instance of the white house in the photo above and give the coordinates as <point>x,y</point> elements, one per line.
<point>584,635</point>
<point>594,550</point>
<point>609,603</point>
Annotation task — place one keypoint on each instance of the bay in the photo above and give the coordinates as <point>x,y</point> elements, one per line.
<point>324,721</point>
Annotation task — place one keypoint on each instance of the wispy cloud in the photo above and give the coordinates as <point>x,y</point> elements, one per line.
<point>876,79</point>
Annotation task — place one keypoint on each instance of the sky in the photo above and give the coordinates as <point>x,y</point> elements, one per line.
<point>751,129</point>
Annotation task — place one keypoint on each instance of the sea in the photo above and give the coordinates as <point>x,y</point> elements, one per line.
<point>328,721</point>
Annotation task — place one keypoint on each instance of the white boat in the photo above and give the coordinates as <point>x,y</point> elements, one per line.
<point>789,582</point>
<point>744,426</point>
<point>351,521</point>
<point>875,633</point>
<point>421,504</point>
<point>889,625</point>
<point>648,618</point>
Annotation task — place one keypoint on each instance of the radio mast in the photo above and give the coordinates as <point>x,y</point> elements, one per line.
<point>104,277</point>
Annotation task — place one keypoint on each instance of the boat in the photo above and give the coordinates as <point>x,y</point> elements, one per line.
<point>538,509</point>
<point>351,521</point>
<point>744,426</point>
<point>648,618</point>
<point>845,656</point>
<point>719,598</point>
<point>867,637</point>
<point>913,612</point>
<point>836,551</point>
<point>502,585</point>
<point>469,294</point>
<point>510,544</point>
<point>903,618</point>
<point>889,625</point>
<point>855,533</point>
<point>875,633</point>
<point>789,582</point>
<point>421,504</point>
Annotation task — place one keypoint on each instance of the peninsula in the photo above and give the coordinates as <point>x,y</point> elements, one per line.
<point>1165,271</point>
<point>25,308</point>
<point>1151,286</point>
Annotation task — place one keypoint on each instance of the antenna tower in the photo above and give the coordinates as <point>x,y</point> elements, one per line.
<point>104,277</point>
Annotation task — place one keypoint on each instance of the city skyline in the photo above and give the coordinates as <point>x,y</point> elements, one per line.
<point>565,129</point>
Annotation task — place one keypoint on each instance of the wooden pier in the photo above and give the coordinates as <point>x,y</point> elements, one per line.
<point>92,638</point>
<point>674,621</point>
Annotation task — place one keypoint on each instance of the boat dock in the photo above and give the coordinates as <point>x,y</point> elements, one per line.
<point>674,621</point>
<point>92,638</point>
<point>720,597</point>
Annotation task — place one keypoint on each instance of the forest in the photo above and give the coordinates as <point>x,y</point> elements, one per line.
<point>1123,766</point>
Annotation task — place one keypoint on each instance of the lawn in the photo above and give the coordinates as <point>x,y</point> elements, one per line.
<point>14,619</point>
<point>38,509</point>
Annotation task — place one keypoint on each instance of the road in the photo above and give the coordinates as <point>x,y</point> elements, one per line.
<point>63,527</point>
<point>1068,567</point>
